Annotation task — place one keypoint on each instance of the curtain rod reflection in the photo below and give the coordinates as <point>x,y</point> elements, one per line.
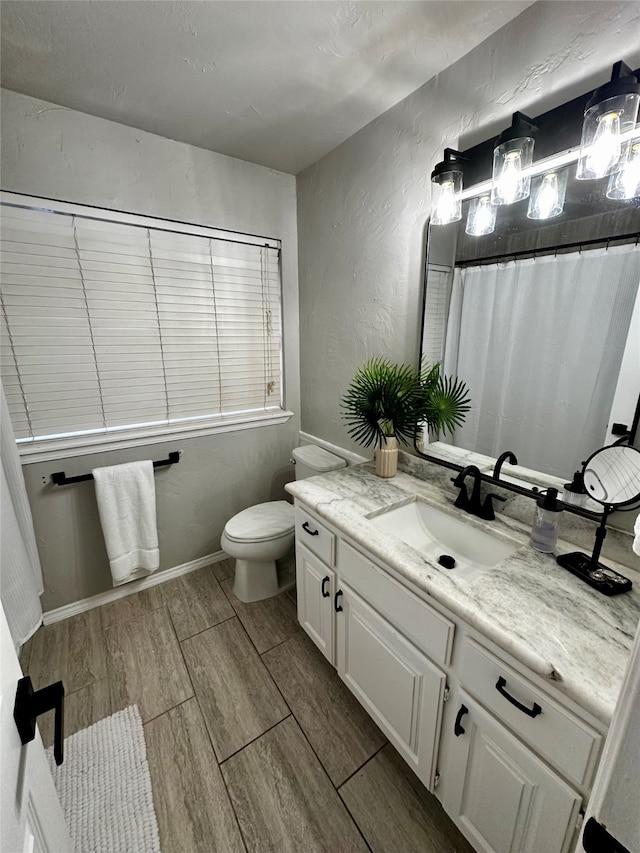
<point>552,250</point>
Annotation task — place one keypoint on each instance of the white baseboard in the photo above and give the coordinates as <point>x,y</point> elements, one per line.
<point>351,457</point>
<point>123,591</point>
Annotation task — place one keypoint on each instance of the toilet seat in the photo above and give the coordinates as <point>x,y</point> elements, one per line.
<point>261,523</point>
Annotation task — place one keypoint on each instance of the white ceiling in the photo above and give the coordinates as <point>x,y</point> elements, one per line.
<point>276,83</point>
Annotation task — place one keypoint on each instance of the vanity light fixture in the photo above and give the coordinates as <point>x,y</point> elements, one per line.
<point>447,180</point>
<point>547,194</point>
<point>613,106</point>
<point>481,218</point>
<point>625,183</point>
<point>610,114</point>
<point>512,158</point>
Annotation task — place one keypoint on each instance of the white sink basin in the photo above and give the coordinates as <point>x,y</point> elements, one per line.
<point>435,533</point>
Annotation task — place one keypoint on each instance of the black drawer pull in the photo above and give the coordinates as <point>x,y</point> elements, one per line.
<point>306,529</point>
<point>337,607</point>
<point>457,728</point>
<point>325,592</point>
<point>530,712</point>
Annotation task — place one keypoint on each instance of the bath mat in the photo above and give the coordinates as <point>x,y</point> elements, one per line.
<point>105,788</point>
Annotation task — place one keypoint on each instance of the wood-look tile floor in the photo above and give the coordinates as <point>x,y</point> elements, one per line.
<point>254,743</point>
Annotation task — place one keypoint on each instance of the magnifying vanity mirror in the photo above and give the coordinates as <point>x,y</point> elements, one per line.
<point>612,478</point>
<point>541,319</point>
<point>612,475</point>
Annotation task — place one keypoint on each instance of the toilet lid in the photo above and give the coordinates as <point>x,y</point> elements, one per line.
<point>261,522</point>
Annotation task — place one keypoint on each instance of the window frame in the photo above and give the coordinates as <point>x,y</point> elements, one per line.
<point>113,438</point>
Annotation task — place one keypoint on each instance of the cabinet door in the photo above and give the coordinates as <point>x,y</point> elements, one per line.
<point>504,798</point>
<point>399,687</point>
<point>315,584</point>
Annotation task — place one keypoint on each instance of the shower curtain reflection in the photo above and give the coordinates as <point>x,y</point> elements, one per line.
<point>539,342</point>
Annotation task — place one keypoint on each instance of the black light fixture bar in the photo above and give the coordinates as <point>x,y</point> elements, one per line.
<point>59,478</point>
<point>557,130</point>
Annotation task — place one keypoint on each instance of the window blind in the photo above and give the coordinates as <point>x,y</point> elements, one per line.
<point>108,325</point>
<point>436,309</point>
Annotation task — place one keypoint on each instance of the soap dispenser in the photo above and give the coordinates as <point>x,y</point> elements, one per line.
<point>544,533</point>
<point>574,493</point>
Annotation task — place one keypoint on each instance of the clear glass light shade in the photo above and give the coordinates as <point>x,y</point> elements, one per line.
<point>481,218</point>
<point>625,183</point>
<point>447,198</point>
<point>511,161</point>
<point>603,135</point>
<point>547,195</point>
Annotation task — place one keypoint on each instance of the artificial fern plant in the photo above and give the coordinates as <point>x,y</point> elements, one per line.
<point>386,399</point>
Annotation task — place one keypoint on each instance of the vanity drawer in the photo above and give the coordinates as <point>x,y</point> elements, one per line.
<point>315,536</point>
<point>410,615</point>
<point>553,732</point>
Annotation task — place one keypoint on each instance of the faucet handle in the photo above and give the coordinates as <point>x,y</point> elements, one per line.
<point>462,501</point>
<point>487,511</point>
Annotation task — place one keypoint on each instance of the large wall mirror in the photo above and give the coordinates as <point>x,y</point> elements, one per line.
<point>541,319</point>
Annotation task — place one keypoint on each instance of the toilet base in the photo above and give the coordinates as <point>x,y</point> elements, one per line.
<point>256,580</point>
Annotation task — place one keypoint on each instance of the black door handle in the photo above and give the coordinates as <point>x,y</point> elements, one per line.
<point>30,704</point>
<point>308,530</point>
<point>337,607</point>
<point>325,592</point>
<point>457,728</point>
<point>530,712</point>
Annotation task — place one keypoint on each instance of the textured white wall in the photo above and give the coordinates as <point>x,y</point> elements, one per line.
<point>58,153</point>
<point>219,75</point>
<point>363,208</point>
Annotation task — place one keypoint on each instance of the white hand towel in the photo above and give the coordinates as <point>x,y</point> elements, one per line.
<point>636,537</point>
<point>126,496</point>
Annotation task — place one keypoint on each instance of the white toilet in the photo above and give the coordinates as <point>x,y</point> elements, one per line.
<point>261,538</point>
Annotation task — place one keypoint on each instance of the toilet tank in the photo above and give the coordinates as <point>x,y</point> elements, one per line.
<point>311,460</point>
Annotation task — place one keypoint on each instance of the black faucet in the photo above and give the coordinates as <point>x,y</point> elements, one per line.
<point>463,501</point>
<point>507,456</point>
<point>474,505</point>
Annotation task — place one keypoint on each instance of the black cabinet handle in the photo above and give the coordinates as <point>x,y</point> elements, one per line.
<point>30,704</point>
<point>457,728</point>
<point>308,530</point>
<point>325,592</point>
<point>530,712</point>
<point>337,607</point>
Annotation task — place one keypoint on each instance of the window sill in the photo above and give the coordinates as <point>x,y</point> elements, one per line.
<point>33,452</point>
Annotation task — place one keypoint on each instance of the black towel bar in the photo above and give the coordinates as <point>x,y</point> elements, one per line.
<point>60,479</point>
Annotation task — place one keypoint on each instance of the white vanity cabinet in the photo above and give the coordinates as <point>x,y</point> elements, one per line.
<point>316,581</point>
<point>344,605</point>
<point>508,759</point>
<point>500,794</point>
<point>398,685</point>
<point>549,729</point>
<point>515,759</point>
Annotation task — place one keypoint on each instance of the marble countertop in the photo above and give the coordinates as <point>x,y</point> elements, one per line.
<point>538,612</point>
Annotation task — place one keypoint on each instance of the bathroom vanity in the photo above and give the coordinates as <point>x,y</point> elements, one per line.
<point>495,683</point>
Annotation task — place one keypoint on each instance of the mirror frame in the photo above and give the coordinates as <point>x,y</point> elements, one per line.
<point>558,139</point>
<point>488,478</point>
<point>504,484</point>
